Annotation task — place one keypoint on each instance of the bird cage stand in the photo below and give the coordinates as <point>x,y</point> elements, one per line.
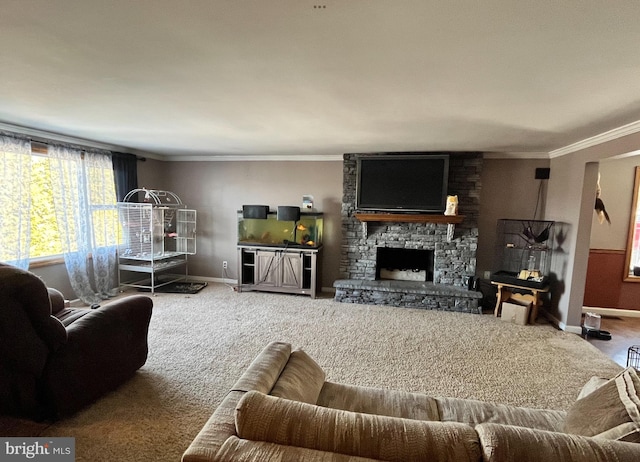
<point>158,233</point>
<point>633,357</point>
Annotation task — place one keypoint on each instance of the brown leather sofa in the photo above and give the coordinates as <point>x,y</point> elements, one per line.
<point>55,360</point>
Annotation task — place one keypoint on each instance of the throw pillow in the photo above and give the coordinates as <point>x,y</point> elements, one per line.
<point>592,385</point>
<point>611,411</point>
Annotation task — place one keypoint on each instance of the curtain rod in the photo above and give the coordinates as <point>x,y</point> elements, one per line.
<point>46,138</point>
<point>42,136</point>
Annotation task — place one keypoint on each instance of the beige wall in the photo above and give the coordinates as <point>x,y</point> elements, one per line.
<point>616,181</point>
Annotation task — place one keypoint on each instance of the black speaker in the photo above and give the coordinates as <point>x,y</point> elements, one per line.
<point>542,173</point>
<point>255,211</point>
<point>288,213</point>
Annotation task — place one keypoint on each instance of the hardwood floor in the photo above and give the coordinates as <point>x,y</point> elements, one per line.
<point>625,332</point>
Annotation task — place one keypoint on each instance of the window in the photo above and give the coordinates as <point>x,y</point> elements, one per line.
<point>35,221</point>
<point>101,197</point>
<point>633,239</point>
<point>45,237</point>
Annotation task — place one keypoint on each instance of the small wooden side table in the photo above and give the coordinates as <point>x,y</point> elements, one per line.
<point>505,293</point>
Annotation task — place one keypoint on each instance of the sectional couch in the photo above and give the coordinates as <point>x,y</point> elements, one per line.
<point>282,408</point>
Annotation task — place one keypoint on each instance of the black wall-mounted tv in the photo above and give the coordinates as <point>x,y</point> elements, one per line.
<point>402,182</point>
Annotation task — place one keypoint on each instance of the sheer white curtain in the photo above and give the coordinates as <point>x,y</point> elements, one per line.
<point>15,201</point>
<point>85,199</point>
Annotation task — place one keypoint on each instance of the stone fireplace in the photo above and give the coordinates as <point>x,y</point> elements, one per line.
<point>445,254</point>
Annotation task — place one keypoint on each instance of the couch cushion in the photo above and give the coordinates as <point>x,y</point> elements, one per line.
<point>506,443</point>
<point>380,401</point>
<point>475,412</point>
<point>239,450</point>
<point>611,411</point>
<point>261,417</point>
<point>301,379</point>
<point>68,315</point>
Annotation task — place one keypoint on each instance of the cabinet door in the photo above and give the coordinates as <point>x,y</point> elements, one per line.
<point>186,231</point>
<point>268,268</point>
<point>291,270</point>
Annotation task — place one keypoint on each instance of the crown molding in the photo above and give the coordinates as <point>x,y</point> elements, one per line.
<point>515,155</point>
<point>619,132</point>
<point>323,157</point>
<point>254,157</point>
<point>46,136</point>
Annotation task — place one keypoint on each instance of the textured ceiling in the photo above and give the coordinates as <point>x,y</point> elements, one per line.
<point>301,78</point>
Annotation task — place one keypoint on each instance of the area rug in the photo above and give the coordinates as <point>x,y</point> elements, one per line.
<point>200,345</point>
<point>179,288</point>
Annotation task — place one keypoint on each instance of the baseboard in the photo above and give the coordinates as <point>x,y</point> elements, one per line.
<point>235,282</point>
<point>571,329</point>
<point>208,279</point>
<point>561,325</point>
<point>613,312</point>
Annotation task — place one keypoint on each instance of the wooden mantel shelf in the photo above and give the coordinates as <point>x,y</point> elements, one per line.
<point>410,218</point>
<point>449,220</point>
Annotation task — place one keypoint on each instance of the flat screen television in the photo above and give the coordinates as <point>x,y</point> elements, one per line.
<point>402,182</point>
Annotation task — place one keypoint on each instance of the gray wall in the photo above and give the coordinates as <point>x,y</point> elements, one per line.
<point>570,199</point>
<point>216,189</point>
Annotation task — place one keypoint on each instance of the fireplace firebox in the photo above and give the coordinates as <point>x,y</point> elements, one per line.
<point>404,264</point>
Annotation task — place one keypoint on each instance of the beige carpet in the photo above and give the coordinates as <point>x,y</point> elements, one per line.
<point>200,344</point>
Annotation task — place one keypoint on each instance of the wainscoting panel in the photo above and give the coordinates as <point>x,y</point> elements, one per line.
<point>604,285</point>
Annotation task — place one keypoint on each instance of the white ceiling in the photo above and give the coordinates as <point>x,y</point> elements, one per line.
<point>320,78</point>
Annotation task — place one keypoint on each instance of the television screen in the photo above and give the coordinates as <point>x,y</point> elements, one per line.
<point>402,182</point>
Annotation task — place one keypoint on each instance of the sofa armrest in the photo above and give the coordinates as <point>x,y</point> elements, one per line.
<point>261,375</point>
<point>104,348</point>
<point>300,380</point>
<point>220,426</point>
<point>57,300</point>
<point>509,443</point>
<point>114,324</point>
<point>475,412</point>
<point>264,370</point>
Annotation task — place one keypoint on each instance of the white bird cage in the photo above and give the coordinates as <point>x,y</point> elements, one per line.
<point>158,232</point>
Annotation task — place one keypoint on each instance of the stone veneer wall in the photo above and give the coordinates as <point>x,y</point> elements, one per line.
<point>453,261</point>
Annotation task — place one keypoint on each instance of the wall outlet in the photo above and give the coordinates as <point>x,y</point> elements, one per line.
<point>487,274</point>
<point>224,264</point>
